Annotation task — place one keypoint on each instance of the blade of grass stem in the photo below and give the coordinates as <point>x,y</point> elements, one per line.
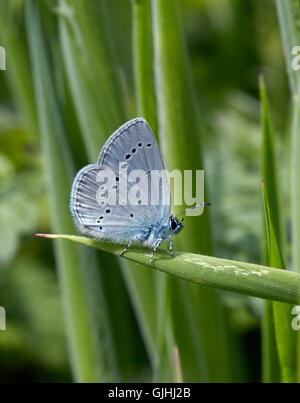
<point>203,348</point>
<point>126,337</point>
<point>89,335</point>
<point>78,53</point>
<point>289,17</point>
<point>146,106</point>
<point>295,184</point>
<point>91,27</point>
<point>241,277</point>
<point>270,364</point>
<point>285,335</point>
<point>295,197</point>
<point>18,71</point>
<point>83,359</point>
<point>177,366</point>
<point>143,61</point>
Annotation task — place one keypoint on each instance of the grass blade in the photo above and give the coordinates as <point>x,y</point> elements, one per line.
<point>90,27</point>
<point>295,197</point>
<point>285,335</point>
<point>246,278</point>
<point>146,106</point>
<point>179,138</point>
<point>295,184</point>
<point>143,61</point>
<point>270,361</point>
<point>177,367</point>
<point>19,69</point>
<point>288,15</point>
<point>82,355</point>
<point>271,367</point>
<point>79,47</point>
<point>95,119</point>
<point>87,328</point>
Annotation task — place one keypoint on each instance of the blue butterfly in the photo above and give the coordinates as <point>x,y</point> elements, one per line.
<point>134,147</point>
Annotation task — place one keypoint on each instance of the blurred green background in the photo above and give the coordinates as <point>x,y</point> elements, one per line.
<point>230,42</point>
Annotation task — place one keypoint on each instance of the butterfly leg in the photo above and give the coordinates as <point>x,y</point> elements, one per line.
<point>130,243</point>
<point>157,243</point>
<point>127,247</point>
<point>171,246</point>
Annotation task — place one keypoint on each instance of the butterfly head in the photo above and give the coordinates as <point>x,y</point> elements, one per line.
<point>175,226</point>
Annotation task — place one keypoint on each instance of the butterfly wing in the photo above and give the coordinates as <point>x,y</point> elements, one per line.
<point>134,144</point>
<point>113,221</point>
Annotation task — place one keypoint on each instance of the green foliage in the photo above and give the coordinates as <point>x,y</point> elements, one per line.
<point>247,278</point>
<point>288,13</point>
<point>285,335</point>
<point>271,369</point>
<point>180,137</point>
<point>77,70</point>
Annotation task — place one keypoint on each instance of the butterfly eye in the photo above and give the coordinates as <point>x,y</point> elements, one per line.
<point>173,225</point>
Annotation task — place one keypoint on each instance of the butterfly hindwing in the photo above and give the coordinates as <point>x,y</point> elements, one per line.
<point>112,222</point>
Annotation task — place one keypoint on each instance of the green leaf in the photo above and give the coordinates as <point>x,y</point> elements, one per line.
<point>295,184</point>
<point>143,61</point>
<point>87,328</point>
<point>285,335</point>
<point>245,278</point>
<point>295,197</point>
<point>270,360</point>
<point>271,367</point>
<point>86,39</point>
<point>269,165</point>
<point>288,15</point>
<point>146,106</point>
<point>198,317</point>
<point>91,36</point>
<point>18,72</point>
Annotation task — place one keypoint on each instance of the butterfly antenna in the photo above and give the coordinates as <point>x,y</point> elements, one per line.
<point>192,208</point>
